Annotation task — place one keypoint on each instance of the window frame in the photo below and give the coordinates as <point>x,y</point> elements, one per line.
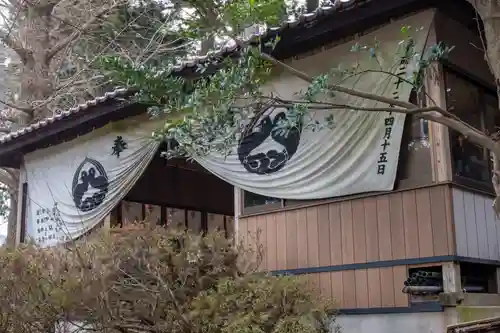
<point>259,208</point>
<point>484,90</point>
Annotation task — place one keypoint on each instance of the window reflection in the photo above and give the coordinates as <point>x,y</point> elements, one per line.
<point>252,199</point>
<point>469,101</point>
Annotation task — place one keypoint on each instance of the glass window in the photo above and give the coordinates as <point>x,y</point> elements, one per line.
<point>252,199</point>
<point>253,202</point>
<point>472,103</point>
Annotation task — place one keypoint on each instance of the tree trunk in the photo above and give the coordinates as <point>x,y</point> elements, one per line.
<point>489,12</point>
<point>12,221</point>
<point>36,85</point>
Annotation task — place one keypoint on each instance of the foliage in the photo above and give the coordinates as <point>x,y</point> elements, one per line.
<point>210,112</point>
<point>151,281</point>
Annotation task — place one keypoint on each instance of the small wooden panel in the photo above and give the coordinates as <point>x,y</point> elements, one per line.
<point>363,288</point>
<point>291,240</point>
<point>401,225</point>
<point>131,213</point>
<point>476,228</point>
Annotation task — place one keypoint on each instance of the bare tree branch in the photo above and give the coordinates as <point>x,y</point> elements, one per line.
<point>79,82</point>
<point>334,87</point>
<point>20,108</point>
<point>16,46</point>
<point>7,180</point>
<point>433,113</point>
<point>63,43</point>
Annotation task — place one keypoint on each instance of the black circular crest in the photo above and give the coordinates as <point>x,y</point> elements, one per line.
<point>90,185</point>
<point>287,141</point>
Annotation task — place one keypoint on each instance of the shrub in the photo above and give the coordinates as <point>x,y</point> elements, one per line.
<point>152,281</point>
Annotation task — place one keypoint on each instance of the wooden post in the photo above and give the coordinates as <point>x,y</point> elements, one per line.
<point>238,197</point>
<point>438,134</point>
<point>19,218</point>
<point>106,225</point>
<point>451,277</point>
<point>497,276</point>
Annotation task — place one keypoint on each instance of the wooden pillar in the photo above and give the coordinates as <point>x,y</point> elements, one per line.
<point>238,197</point>
<point>106,225</point>
<point>451,277</point>
<point>498,280</point>
<point>20,194</point>
<point>438,134</point>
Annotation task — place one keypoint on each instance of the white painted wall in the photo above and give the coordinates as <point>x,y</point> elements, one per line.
<point>426,322</point>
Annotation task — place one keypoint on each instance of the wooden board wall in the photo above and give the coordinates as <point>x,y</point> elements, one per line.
<point>401,225</point>
<point>363,288</point>
<point>476,227</point>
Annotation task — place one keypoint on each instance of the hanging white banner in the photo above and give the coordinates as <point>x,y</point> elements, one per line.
<point>74,185</point>
<point>359,154</point>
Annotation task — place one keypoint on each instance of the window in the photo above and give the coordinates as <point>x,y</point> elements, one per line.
<point>253,203</point>
<point>475,105</point>
<point>478,278</point>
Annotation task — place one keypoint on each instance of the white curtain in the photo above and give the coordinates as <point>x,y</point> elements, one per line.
<point>74,185</point>
<point>359,153</point>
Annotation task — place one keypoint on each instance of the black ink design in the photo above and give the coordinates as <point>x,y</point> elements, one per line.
<point>257,132</point>
<point>119,145</point>
<point>89,176</point>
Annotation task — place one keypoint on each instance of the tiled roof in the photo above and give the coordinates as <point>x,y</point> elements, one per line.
<point>121,92</point>
<point>189,63</point>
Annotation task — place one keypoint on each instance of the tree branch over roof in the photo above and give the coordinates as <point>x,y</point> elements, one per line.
<point>86,26</point>
<point>432,113</point>
<point>20,108</point>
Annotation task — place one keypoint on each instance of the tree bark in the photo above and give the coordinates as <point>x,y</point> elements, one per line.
<point>12,221</point>
<point>489,12</point>
<point>36,86</point>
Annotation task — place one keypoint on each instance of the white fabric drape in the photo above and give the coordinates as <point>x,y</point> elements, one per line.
<point>74,185</point>
<point>359,154</point>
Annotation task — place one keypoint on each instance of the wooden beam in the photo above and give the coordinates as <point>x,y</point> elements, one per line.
<point>21,208</point>
<point>451,277</point>
<point>438,134</point>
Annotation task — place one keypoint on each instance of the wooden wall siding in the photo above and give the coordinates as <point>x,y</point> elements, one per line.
<point>399,225</point>
<point>363,288</point>
<point>476,227</point>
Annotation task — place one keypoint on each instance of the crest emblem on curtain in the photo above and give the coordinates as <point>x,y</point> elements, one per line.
<point>265,127</point>
<point>90,185</point>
